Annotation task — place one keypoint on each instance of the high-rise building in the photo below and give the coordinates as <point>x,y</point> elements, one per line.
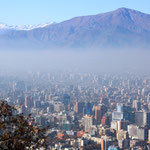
<point>105,143</point>
<point>136,132</point>
<point>123,113</point>
<point>89,108</point>
<point>119,125</point>
<point>100,110</point>
<point>120,107</point>
<point>149,135</point>
<point>114,125</point>
<point>25,103</point>
<point>29,102</point>
<point>79,107</point>
<point>66,101</point>
<point>105,120</point>
<point>137,105</point>
<point>148,98</point>
<point>142,118</point>
<point>124,144</point>
<point>88,122</point>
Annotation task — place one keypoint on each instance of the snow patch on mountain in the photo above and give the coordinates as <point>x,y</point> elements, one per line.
<point>6,28</point>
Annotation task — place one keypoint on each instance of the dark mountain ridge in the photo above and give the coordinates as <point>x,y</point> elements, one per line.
<point>117,29</point>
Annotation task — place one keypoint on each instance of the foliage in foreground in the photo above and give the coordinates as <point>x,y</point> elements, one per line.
<point>19,132</point>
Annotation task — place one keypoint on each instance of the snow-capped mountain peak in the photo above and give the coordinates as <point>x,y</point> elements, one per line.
<point>31,27</point>
<point>6,28</point>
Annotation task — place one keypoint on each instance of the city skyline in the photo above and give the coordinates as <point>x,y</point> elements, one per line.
<point>74,75</point>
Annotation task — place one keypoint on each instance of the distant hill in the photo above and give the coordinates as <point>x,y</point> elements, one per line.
<point>122,28</point>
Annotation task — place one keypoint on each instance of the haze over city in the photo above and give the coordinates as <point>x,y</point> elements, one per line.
<point>74,75</point>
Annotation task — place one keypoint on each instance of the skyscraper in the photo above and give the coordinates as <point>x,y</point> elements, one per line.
<point>88,108</point>
<point>79,107</point>
<point>148,97</point>
<point>100,110</point>
<point>137,105</point>
<point>25,103</point>
<point>123,113</point>
<point>142,118</point>
<point>88,122</point>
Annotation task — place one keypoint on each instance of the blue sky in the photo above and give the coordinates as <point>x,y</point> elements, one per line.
<point>25,12</point>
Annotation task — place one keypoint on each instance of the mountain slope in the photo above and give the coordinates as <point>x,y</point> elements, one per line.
<point>120,28</point>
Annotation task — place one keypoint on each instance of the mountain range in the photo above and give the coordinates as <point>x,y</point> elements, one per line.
<point>122,28</point>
